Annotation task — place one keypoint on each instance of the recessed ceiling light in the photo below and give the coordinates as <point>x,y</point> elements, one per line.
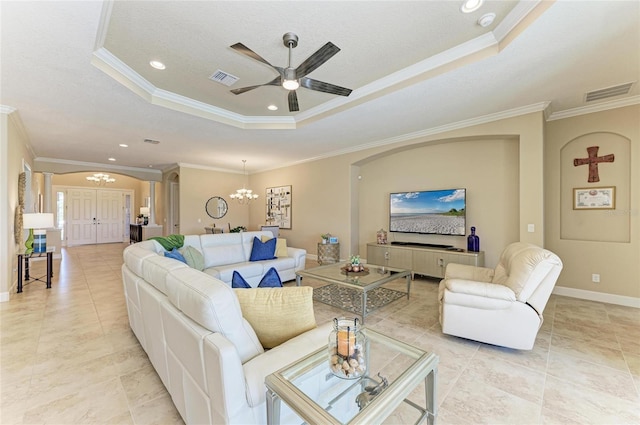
<point>272,107</point>
<point>469,6</point>
<point>123,145</point>
<point>486,19</point>
<point>150,166</point>
<point>157,65</point>
<point>112,159</point>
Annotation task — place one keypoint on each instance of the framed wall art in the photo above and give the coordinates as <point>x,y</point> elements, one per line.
<point>594,198</point>
<point>279,206</point>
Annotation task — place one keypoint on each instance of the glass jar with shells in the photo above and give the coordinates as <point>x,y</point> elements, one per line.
<point>347,348</point>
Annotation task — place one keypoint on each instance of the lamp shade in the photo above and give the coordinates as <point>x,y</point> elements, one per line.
<point>144,211</point>
<point>37,220</point>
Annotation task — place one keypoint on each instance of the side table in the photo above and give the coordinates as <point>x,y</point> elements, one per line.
<point>328,253</point>
<point>25,256</point>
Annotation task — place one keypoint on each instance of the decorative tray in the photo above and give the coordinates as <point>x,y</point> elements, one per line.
<point>347,271</point>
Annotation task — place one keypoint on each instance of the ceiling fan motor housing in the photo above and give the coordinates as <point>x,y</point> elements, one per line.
<point>290,40</point>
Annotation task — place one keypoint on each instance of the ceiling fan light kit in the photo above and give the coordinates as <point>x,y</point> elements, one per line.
<point>291,78</point>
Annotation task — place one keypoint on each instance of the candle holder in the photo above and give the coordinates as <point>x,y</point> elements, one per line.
<point>347,345</point>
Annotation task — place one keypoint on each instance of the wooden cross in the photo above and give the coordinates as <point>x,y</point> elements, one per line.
<point>593,161</point>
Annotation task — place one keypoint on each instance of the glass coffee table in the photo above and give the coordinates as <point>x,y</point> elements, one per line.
<point>314,394</point>
<point>359,284</point>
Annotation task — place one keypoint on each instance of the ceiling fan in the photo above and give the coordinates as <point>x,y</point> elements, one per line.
<point>293,78</point>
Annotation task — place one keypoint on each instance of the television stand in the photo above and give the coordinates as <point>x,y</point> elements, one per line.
<point>423,259</point>
<point>420,244</point>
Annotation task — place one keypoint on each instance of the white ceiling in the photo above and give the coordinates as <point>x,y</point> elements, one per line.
<point>78,73</point>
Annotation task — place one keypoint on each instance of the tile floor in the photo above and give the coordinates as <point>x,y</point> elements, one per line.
<point>67,356</point>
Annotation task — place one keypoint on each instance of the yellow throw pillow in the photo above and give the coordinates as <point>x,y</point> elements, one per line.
<point>281,246</point>
<point>277,314</point>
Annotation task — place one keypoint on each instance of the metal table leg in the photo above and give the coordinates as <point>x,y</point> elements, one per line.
<point>20,259</point>
<point>273,408</point>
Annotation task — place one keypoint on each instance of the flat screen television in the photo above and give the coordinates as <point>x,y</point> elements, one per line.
<point>436,212</point>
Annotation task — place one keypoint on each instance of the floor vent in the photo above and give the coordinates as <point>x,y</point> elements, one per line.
<point>151,141</point>
<point>224,78</point>
<point>608,92</point>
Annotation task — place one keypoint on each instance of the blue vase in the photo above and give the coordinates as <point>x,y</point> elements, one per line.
<point>473,241</point>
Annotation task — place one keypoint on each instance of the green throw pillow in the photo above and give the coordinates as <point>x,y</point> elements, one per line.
<point>194,258</point>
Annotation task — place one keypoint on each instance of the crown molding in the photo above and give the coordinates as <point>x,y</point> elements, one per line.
<point>14,116</point>
<point>209,168</point>
<point>599,107</point>
<point>470,51</point>
<point>409,137</point>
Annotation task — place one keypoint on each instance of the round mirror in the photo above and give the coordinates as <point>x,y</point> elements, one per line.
<point>216,207</point>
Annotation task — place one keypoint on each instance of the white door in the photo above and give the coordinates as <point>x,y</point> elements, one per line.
<point>110,216</point>
<point>81,216</point>
<point>174,198</point>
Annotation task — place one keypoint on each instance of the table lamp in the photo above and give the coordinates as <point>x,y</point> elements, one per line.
<point>37,223</point>
<point>144,212</point>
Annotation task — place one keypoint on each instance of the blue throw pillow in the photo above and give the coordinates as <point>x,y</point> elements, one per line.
<point>263,250</point>
<point>175,255</point>
<point>238,281</point>
<point>271,279</point>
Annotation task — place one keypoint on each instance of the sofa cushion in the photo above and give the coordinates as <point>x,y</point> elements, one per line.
<point>175,254</point>
<point>250,271</point>
<point>193,257</point>
<point>275,359</point>
<point>263,250</point>
<point>278,314</point>
<point>222,249</point>
<point>281,246</point>
<point>213,305</point>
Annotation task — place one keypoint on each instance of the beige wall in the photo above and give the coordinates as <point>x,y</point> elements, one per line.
<point>329,197</point>
<point>487,168</point>
<point>15,143</point>
<point>197,186</point>
<point>589,246</point>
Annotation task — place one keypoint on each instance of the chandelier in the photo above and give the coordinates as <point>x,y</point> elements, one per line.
<point>244,196</point>
<point>100,179</point>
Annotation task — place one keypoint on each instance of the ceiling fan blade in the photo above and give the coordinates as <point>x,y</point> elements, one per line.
<point>293,101</point>
<point>322,55</point>
<point>241,48</point>
<point>275,82</point>
<point>324,87</point>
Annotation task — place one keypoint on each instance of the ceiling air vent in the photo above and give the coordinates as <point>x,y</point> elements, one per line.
<point>151,141</point>
<point>224,78</point>
<point>608,92</point>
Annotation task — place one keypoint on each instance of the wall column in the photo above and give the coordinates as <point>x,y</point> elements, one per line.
<point>152,202</point>
<point>47,192</point>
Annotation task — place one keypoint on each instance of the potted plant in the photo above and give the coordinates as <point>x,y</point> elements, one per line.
<point>238,229</point>
<point>355,263</point>
<point>325,237</point>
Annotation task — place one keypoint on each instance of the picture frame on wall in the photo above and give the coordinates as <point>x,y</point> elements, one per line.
<point>594,198</point>
<point>279,205</point>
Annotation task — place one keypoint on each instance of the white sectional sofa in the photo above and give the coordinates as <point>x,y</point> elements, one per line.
<point>226,252</point>
<point>191,326</point>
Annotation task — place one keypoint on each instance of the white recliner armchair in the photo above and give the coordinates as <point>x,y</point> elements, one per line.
<point>502,306</point>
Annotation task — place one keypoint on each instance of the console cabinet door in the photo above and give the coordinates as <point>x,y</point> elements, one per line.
<point>428,263</point>
<point>391,256</point>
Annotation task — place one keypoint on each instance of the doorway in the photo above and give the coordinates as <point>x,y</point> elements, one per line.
<point>94,216</point>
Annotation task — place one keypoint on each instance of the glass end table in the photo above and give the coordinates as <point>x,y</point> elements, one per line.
<point>313,393</point>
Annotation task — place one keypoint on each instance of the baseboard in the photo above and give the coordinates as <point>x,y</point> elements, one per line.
<point>4,297</point>
<point>597,296</point>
